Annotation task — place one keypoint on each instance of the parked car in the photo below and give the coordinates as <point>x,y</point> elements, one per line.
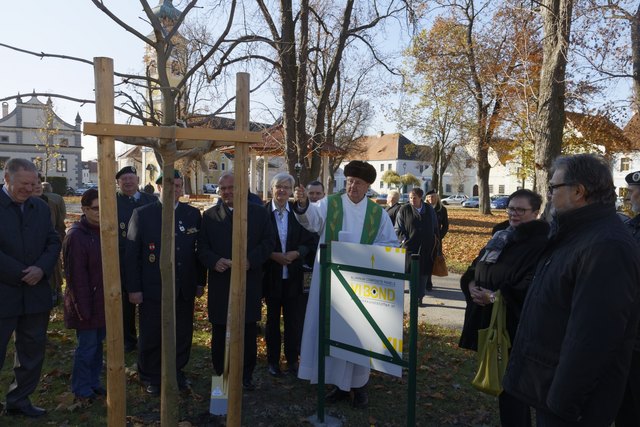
<point>210,188</point>
<point>455,199</point>
<point>500,203</point>
<point>80,190</point>
<point>472,202</point>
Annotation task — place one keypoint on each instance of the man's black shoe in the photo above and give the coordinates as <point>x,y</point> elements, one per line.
<point>421,303</point>
<point>360,398</point>
<point>274,370</point>
<point>336,395</point>
<point>248,385</point>
<point>153,390</point>
<point>28,411</point>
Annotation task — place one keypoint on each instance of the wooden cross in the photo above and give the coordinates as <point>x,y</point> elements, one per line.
<point>180,138</point>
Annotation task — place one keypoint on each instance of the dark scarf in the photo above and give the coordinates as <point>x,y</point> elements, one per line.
<point>494,247</point>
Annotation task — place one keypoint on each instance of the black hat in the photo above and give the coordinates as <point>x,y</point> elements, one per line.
<point>176,175</point>
<point>633,178</point>
<point>126,169</point>
<point>432,191</point>
<point>360,169</point>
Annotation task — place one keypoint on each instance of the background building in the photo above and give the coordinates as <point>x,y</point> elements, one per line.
<point>34,131</point>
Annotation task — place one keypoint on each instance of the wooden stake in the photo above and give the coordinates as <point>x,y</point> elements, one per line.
<point>116,391</point>
<point>238,255</point>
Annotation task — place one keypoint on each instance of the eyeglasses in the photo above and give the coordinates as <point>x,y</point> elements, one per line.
<point>517,211</point>
<point>554,186</point>
<point>283,187</point>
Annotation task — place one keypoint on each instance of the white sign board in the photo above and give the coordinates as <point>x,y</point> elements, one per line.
<point>382,297</point>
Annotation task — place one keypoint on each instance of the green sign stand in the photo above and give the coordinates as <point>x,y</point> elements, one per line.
<point>325,342</point>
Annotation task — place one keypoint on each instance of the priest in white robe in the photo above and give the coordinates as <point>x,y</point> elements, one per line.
<point>350,217</point>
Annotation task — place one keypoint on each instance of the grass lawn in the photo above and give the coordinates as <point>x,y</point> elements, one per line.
<point>444,394</point>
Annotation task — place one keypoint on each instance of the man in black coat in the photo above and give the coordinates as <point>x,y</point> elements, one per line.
<point>214,251</point>
<point>29,250</point>
<point>144,285</point>
<point>284,275</point>
<point>629,413</point>
<point>572,349</point>
<point>417,228</point>
<point>128,198</point>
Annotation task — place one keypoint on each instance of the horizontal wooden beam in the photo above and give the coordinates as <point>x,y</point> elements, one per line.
<point>222,137</point>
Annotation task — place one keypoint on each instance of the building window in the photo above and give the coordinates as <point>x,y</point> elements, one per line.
<point>61,165</point>
<point>389,168</point>
<point>221,166</point>
<point>38,162</point>
<point>625,164</point>
<point>381,167</point>
<point>447,188</point>
<point>213,166</point>
<point>421,168</point>
<point>4,138</point>
<point>490,188</point>
<point>64,142</point>
<point>381,184</point>
<point>501,189</point>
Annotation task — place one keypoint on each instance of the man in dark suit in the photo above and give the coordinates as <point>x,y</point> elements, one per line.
<point>144,285</point>
<point>29,250</point>
<point>417,228</point>
<point>283,278</point>
<point>214,251</point>
<point>128,198</point>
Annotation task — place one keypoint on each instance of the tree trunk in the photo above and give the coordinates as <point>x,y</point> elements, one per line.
<point>635,55</point>
<point>556,16</point>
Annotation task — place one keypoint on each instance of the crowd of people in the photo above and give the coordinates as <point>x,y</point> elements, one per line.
<point>573,322</point>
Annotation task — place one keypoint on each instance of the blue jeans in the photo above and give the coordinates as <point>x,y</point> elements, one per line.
<point>87,362</point>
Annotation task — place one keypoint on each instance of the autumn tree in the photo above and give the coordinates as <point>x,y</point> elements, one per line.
<point>477,40</point>
<point>436,108</point>
<point>48,144</point>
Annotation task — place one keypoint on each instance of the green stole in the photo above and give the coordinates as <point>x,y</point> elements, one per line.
<point>333,225</point>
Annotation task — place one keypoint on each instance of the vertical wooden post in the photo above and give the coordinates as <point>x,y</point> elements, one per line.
<point>238,256</point>
<point>265,178</point>
<point>116,391</point>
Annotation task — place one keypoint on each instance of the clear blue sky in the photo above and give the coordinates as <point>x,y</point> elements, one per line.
<point>75,28</point>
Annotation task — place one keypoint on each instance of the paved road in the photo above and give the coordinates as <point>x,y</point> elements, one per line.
<point>445,304</point>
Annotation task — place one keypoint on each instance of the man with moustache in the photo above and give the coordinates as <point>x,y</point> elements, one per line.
<point>29,250</point>
<point>629,412</point>
<point>144,282</point>
<point>128,198</point>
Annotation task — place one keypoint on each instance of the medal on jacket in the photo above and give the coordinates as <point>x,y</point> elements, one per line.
<point>180,226</point>
<point>152,247</point>
<point>122,227</point>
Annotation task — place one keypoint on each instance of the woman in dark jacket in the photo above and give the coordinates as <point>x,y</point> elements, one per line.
<point>507,264</point>
<point>84,298</point>
<point>433,198</point>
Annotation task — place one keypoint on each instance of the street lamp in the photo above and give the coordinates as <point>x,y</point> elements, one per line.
<point>404,168</point>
